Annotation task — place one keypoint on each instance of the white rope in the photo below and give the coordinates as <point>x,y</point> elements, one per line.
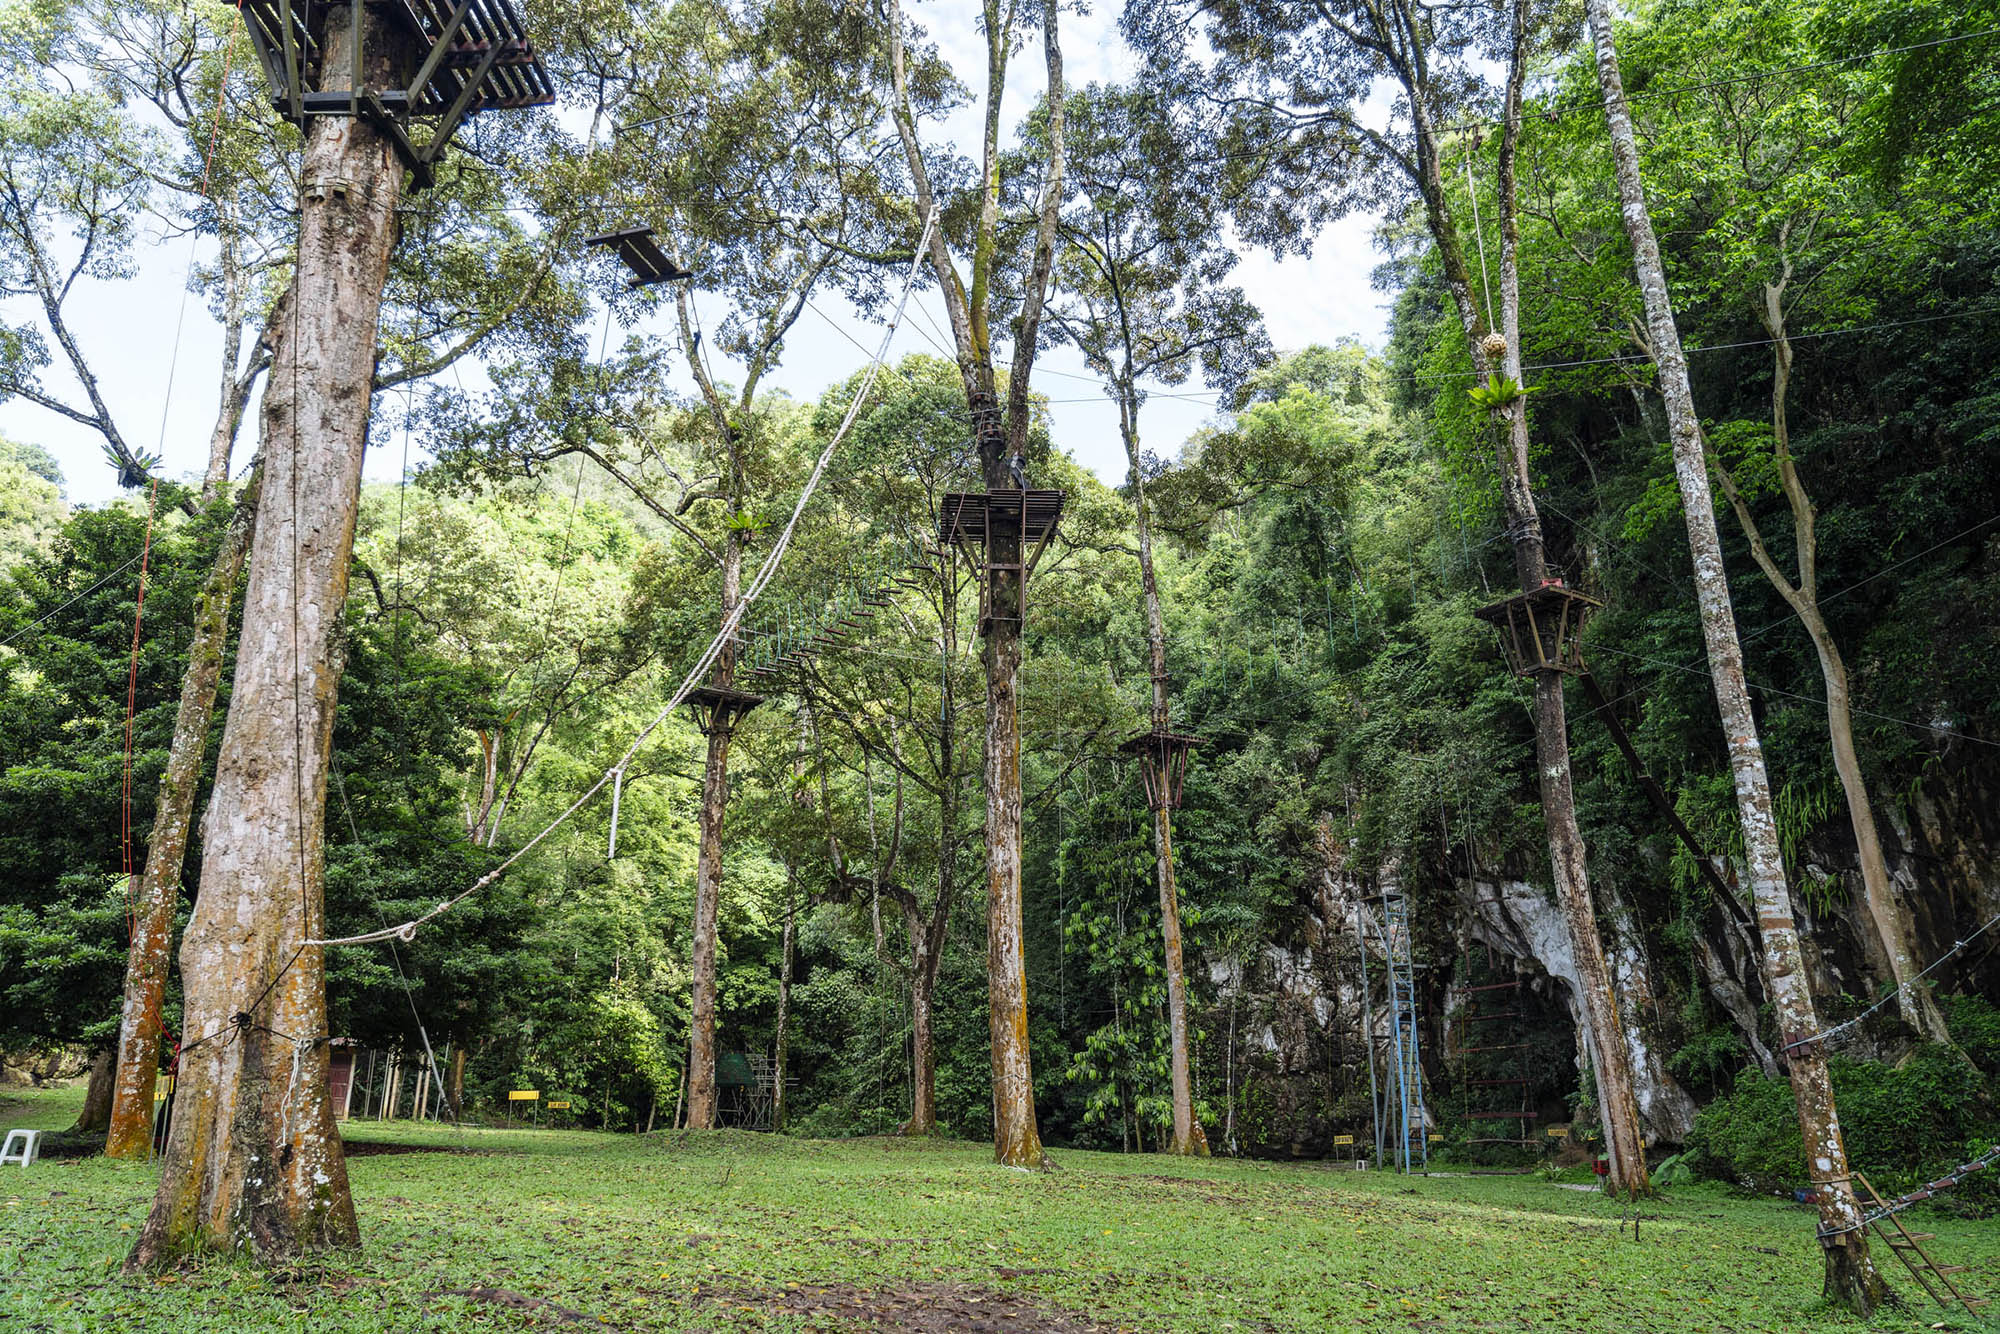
<point>1884,1208</point>
<point>408,930</point>
<point>1896,993</point>
<point>617,789</point>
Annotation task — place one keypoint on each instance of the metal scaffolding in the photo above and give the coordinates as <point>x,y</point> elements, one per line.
<point>1405,1065</point>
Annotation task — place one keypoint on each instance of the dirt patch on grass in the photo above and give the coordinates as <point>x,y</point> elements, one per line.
<point>365,1148</point>
<point>510,1300</point>
<point>926,1308</point>
<point>362,1148</point>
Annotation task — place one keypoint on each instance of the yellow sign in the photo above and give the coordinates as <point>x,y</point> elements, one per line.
<point>1558,1132</point>
<point>1437,1139</point>
<point>524,1095</point>
<point>1343,1139</point>
<point>558,1106</point>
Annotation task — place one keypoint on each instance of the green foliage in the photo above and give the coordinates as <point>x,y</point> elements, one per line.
<point>1975,1027</point>
<point>1902,1124</point>
<point>1498,394</point>
<point>31,511</point>
<point>1705,1060</point>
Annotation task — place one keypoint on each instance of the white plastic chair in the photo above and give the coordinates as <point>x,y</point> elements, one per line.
<point>21,1147</point>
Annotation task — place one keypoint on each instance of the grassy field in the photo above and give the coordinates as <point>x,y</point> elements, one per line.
<point>529,1229</point>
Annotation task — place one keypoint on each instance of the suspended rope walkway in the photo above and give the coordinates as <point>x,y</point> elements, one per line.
<point>801,628</point>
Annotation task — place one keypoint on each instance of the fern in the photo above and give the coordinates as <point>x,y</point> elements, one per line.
<point>1498,395</point>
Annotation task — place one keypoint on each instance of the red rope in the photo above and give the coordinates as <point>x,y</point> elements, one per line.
<point>131,707</point>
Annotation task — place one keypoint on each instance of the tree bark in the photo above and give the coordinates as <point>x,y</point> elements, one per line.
<point>96,1113</point>
<point>1851,1278</point>
<point>708,870</point>
<point>1188,1136</point>
<point>927,934</point>
<point>1016,1140</point>
<point>1188,1139</point>
<point>1891,920</point>
<point>926,946</point>
<point>131,1123</point>
<point>254,1161</point>
<point>233,395</point>
<point>1610,1061</point>
<point>784,1003</point>
<point>455,1082</point>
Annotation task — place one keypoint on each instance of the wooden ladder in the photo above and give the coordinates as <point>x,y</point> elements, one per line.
<point>1908,1246</point>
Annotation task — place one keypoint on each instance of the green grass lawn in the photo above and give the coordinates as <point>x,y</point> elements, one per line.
<point>736,1231</point>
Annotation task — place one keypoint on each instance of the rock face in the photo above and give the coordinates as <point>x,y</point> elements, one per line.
<point>1285,1033</point>
<point>1519,921</point>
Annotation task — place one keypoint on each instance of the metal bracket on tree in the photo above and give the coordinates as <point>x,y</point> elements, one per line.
<point>641,252</point>
<point>718,708</point>
<point>1163,757</point>
<point>474,55</point>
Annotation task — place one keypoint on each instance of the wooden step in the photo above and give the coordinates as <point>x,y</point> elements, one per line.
<point>1912,1237</point>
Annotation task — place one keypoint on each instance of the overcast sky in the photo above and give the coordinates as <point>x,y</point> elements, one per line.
<point>162,389</point>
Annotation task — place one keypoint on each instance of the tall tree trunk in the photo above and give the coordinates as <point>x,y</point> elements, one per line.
<point>927,935</point>
<point>1188,1137</point>
<point>455,1082</point>
<point>708,870</point>
<point>1851,1278</point>
<point>1016,1140</point>
<point>785,955</point>
<point>233,395</point>
<point>253,1161</point>
<point>139,1028</point>
<point>1886,913</point>
<point>1610,1061</point>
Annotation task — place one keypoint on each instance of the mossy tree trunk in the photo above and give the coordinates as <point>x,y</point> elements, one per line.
<point>1016,1138</point>
<point>140,1025</point>
<point>1497,353</point>
<point>254,1163</point>
<point>1851,1277</point>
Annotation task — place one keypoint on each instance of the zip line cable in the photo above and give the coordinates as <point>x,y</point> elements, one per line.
<point>723,636</point>
<point>1625,358</point>
<point>65,606</point>
<point>1594,107</point>
<point>1896,992</point>
<point>1884,1208</point>
<point>1808,699</point>
<point>549,614</point>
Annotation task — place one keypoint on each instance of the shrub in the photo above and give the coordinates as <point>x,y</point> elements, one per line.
<point>1902,1124</point>
<point>1975,1026</point>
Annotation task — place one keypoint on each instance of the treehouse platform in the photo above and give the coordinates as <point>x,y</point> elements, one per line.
<point>1541,630</point>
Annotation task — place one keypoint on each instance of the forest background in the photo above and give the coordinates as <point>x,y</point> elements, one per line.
<point>1325,538</point>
